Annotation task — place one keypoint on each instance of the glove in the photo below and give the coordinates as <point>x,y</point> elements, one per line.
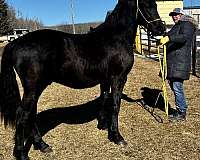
<point>163,40</point>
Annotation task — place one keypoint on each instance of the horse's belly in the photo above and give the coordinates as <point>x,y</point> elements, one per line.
<point>78,82</point>
<point>80,85</point>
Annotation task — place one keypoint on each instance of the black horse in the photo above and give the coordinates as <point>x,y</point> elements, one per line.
<point>103,56</point>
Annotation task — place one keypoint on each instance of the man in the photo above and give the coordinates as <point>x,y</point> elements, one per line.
<point>179,44</point>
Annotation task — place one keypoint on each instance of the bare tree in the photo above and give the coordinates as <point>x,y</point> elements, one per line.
<point>14,22</point>
<point>12,17</point>
<point>31,24</point>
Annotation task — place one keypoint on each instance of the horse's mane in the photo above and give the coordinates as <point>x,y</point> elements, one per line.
<point>111,20</point>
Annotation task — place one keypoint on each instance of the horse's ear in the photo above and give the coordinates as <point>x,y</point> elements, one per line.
<point>122,0</point>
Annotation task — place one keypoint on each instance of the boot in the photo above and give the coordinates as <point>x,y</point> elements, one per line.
<point>177,116</point>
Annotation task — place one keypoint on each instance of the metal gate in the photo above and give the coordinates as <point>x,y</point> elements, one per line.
<point>145,45</point>
<point>196,55</point>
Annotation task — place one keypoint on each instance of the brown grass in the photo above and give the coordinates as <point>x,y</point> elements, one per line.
<point>147,138</point>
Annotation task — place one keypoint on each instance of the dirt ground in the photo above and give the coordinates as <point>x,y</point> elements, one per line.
<point>68,122</point>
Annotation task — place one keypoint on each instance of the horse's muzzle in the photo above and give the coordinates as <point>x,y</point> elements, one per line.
<point>157,28</point>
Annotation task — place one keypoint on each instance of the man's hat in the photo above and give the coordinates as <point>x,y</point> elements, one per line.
<point>176,11</point>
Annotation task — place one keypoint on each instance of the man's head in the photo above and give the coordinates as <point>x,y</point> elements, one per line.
<point>176,14</point>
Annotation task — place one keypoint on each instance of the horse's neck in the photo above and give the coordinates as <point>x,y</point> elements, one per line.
<point>121,23</point>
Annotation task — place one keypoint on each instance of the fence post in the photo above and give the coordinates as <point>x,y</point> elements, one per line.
<point>138,41</point>
<point>194,55</point>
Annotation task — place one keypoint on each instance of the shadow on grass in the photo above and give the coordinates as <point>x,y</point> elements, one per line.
<point>151,99</point>
<point>87,112</point>
<point>79,114</point>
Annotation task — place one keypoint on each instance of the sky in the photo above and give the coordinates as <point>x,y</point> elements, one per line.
<point>55,12</point>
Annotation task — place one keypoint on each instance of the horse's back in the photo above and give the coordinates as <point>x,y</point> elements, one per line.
<point>37,54</point>
<point>45,56</point>
<point>77,61</point>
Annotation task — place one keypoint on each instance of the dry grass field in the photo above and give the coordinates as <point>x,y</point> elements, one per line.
<point>68,122</point>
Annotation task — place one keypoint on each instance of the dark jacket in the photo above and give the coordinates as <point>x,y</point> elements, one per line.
<point>179,48</point>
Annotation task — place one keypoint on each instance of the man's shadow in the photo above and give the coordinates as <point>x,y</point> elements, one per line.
<point>151,99</point>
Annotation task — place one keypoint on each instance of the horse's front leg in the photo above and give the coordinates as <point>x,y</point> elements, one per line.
<point>113,130</point>
<point>103,115</point>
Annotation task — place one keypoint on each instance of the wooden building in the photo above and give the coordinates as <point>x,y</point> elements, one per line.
<point>165,7</point>
<point>193,11</point>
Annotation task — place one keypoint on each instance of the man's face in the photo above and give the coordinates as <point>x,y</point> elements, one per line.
<point>176,17</point>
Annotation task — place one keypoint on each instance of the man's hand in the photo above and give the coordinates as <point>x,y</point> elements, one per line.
<point>163,40</point>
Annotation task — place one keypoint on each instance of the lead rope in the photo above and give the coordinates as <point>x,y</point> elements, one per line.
<point>163,65</point>
<point>163,70</point>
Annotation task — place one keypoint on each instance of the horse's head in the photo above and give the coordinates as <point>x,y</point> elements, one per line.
<point>147,16</point>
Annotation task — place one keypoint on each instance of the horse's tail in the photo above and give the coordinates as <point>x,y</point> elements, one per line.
<point>9,92</point>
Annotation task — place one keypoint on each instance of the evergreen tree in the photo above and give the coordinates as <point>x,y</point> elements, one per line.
<point>4,19</point>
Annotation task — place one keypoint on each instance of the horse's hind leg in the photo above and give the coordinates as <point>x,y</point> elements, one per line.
<point>35,137</point>
<point>102,116</point>
<point>26,122</point>
<point>23,124</point>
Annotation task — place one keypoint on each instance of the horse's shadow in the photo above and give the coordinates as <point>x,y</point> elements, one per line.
<point>79,114</point>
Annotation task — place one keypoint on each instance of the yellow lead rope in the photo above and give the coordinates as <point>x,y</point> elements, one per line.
<point>163,69</point>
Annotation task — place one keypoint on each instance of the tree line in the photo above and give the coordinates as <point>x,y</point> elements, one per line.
<point>80,28</point>
<point>10,21</point>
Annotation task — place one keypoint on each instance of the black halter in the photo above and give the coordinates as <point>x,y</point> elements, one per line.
<point>139,10</point>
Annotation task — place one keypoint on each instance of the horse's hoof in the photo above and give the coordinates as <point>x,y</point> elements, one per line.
<point>102,126</point>
<point>47,150</point>
<point>43,147</point>
<point>22,158</point>
<point>20,155</point>
<point>123,143</point>
<point>119,140</point>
